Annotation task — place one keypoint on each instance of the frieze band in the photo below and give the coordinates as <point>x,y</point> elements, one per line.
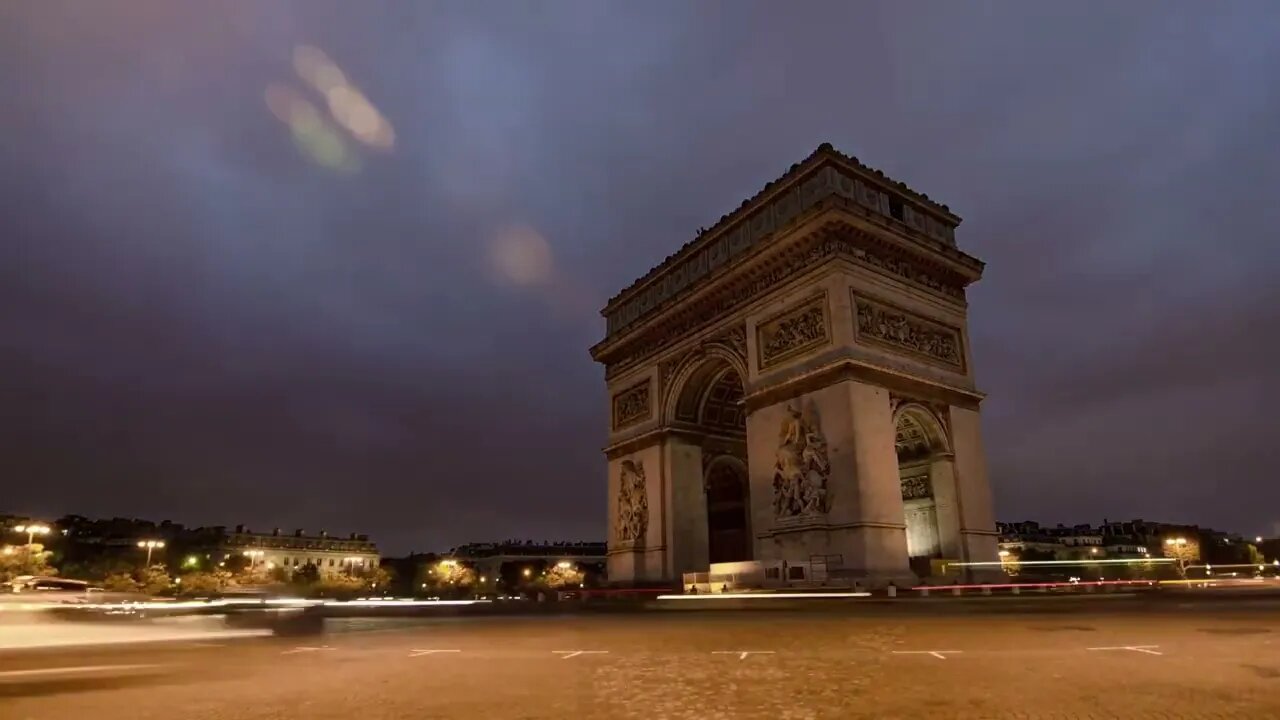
<point>890,326</point>
<point>793,332</point>
<point>631,405</point>
<point>836,241</point>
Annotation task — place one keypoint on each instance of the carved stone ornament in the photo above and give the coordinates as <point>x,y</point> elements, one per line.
<point>758,219</point>
<point>793,332</point>
<point>916,488</point>
<point>736,338</point>
<point>884,324</point>
<point>631,406</point>
<point>692,316</point>
<point>632,520</point>
<point>910,440</point>
<point>801,473</point>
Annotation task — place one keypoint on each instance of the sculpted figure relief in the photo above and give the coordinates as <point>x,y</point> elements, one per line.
<point>898,329</point>
<point>800,476</point>
<point>633,503</point>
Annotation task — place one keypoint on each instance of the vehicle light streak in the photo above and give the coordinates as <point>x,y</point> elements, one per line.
<point>766,596</point>
<point>1109,561</point>
<point>1006,586</point>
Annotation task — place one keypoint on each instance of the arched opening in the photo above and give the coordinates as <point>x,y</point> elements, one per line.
<point>710,406</point>
<point>920,442</point>
<point>728,538</point>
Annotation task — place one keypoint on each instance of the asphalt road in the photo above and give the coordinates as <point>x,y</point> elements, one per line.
<point>1069,659</point>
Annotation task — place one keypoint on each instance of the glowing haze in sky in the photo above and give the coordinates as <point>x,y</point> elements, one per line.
<point>337,265</point>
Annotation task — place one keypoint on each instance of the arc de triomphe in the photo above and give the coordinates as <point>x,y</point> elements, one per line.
<point>795,383</point>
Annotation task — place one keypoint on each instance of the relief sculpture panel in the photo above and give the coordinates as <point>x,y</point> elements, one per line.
<point>884,324</point>
<point>802,469</point>
<point>793,332</point>
<point>916,488</point>
<point>632,520</point>
<point>631,406</point>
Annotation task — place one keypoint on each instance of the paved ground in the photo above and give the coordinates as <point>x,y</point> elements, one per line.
<point>1003,660</point>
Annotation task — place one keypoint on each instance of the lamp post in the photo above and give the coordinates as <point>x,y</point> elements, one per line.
<point>32,530</point>
<point>150,545</point>
<point>253,556</point>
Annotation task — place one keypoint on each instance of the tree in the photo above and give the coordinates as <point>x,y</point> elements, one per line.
<point>308,574</point>
<point>153,580</point>
<point>30,559</point>
<point>204,583</point>
<point>379,579</point>
<point>120,582</point>
<point>562,576</point>
<point>449,578</point>
<point>236,564</point>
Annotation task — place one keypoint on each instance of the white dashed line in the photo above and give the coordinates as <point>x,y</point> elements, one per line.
<point>566,654</point>
<point>72,670</point>
<point>420,653</point>
<point>305,649</point>
<point>940,654</point>
<point>742,654</point>
<point>1133,648</point>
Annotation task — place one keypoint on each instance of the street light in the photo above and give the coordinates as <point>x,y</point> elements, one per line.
<point>150,545</point>
<point>253,556</point>
<point>32,530</point>
<point>1178,544</point>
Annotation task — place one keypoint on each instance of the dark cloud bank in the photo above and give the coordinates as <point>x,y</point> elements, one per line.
<point>199,322</point>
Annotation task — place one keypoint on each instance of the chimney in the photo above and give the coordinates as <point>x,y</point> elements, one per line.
<point>324,533</point>
<point>275,532</point>
<point>240,529</point>
<point>299,532</point>
<point>352,537</point>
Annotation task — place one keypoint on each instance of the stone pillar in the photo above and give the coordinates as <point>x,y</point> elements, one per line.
<point>686,500</point>
<point>976,516</point>
<point>877,542</point>
<point>642,561</point>
<point>942,476</point>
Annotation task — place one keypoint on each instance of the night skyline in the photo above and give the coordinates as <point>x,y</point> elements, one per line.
<point>208,321</point>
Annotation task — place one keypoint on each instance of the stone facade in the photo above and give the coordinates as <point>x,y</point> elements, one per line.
<point>834,303</point>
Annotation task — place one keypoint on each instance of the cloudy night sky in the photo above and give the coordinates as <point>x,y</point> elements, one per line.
<point>220,305</point>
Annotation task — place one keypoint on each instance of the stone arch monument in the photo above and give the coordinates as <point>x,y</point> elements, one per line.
<point>795,383</point>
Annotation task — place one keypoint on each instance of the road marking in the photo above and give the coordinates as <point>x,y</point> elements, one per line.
<point>742,654</point>
<point>1134,648</point>
<point>566,654</point>
<point>420,653</point>
<point>73,669</point>
<point>940,654</point>
<point>306,649</point>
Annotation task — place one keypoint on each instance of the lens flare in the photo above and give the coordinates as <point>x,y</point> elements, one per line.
<point>521,255</point>
<point>314,66</point>
<point>353,111</point>
<point>314,136</point>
